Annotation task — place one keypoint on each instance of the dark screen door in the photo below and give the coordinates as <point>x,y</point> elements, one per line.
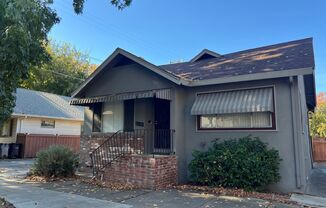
<point>129,110</point>
<point>162,123</point>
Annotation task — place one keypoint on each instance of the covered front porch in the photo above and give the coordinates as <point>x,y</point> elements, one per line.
<point>135,123</point>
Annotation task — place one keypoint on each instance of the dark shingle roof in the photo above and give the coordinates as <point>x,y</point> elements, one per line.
<point>35,103</point>
<point>284,56</point>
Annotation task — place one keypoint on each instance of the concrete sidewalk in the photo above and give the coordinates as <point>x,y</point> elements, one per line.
<point>71,194</point>
<point>28,196</point>
<point>22,195</point>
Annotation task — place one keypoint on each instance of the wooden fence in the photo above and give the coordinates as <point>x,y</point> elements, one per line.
<point>319,149</point>
<point>33,143</point>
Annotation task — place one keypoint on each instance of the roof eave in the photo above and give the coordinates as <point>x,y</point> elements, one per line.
<point>49,117</point>
<point>252,77</point>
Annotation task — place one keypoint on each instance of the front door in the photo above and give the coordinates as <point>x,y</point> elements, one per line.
<point>162,135</point>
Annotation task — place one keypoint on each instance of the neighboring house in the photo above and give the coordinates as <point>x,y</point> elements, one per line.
<point>266,92</point>
<point>42,113</point>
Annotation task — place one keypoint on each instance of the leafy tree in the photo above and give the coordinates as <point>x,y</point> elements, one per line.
<point>321,98</point>
<point>318,121</point>
<point>24,26</point>
<point>120,4</point>
<point>65,71</point>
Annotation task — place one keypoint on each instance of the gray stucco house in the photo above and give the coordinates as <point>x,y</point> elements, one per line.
<point>266,92</point>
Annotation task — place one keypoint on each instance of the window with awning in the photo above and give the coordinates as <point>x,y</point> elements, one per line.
<point>236,109</point>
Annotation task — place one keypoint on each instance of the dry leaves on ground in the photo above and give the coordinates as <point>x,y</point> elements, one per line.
<point>105,184</point>
<point>275,197</point>
<point>35,178</point>
<point>5,204</point>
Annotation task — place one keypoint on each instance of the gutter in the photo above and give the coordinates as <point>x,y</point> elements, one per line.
<point>46,117</point>
<point>295,135</point>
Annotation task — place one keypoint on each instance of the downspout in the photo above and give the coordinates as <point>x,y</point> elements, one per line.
<point>295,135</point>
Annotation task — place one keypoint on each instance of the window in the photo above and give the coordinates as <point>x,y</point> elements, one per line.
<point>257,120</point>
<point>112,116</point>
<point>48,124</point>
<point>235,109</point>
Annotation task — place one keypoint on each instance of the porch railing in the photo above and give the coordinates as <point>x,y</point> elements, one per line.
<point>138,141</point>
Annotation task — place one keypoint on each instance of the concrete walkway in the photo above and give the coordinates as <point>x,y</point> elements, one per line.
<point>308,200</point>
<point>13,189</point>
<point>317,182</point>
<point>27,196</point>
<point>70,194</point>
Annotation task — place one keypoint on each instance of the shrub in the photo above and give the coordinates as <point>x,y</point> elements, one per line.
<point>56,161</point>
<point>239,163</point>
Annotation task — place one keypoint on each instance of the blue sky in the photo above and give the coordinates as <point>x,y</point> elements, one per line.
<point>173,30</point>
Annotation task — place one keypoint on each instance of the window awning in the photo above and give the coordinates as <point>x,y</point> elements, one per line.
<point>237,101</point>
<point>160,93</point>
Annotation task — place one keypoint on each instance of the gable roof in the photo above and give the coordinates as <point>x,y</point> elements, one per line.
<point>273,61</point>
<point>120,52</point>
<point>274,58</point>
<point>41,104</point>
<point>205,54</point>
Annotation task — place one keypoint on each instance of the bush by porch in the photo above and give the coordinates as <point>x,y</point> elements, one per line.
<point>239,163</point>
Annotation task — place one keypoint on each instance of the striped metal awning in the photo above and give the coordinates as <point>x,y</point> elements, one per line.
<point>161,93</point>
<point>237,101</point>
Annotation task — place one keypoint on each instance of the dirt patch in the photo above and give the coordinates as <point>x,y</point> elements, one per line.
<point>268,196</point>
<point>5,204</point>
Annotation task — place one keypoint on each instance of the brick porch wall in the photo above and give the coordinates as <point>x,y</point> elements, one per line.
<point>87,144</point>
<point>143,171</point>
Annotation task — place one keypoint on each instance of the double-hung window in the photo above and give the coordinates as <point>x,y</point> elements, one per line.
<point>236,109</point>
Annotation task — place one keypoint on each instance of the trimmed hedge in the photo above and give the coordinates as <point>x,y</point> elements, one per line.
<point>238,163</point>
<point>56,161</point>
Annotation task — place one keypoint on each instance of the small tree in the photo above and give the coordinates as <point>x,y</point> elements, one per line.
<point>66,70</point>
<point>318,121</point>
<point>24,26</point>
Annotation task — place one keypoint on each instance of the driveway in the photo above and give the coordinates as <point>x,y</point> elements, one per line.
<point>78,194</point>
<point>23,195</point>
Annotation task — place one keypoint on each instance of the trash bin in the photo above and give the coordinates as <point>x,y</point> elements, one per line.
<point>4,150</point>
<point>14,151</point>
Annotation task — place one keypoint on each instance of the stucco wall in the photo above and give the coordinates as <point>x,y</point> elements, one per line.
<point>280,139</point>
<point>62,127</point>
<point>144,113</point>
<point>128,78</point>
